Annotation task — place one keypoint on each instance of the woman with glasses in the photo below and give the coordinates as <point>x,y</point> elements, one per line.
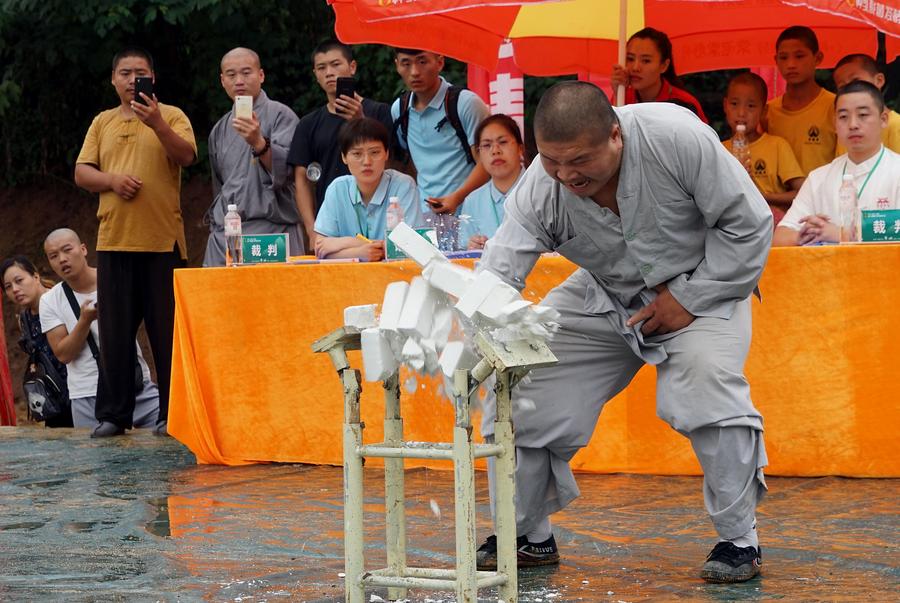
<point>351,222</point>
<point>501,152</point>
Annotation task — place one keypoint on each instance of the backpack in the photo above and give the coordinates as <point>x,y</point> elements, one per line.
<point>451,108</point>
<point>45,389</point>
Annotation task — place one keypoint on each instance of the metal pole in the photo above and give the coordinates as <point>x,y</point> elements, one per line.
<point>464,475</point>
<point>394,485</point>
<point>354,591</point>
<point>504,478</point>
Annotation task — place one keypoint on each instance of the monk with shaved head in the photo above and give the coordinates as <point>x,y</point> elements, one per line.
<point>69,313</point>
<point>670,237</point>
<point>248,157</point>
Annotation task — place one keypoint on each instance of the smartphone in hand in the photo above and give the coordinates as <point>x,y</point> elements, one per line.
<point>243,107</point>
<point>145,85</point>
<point>346,86</point>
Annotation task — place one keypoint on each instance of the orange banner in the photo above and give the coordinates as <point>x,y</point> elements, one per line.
<point>246,387</point>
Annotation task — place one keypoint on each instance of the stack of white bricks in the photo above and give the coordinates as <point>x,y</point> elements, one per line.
<point>417,326</point>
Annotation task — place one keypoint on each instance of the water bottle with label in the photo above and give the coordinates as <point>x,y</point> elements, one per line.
<point>393,219</point>
<point>740,147</point>
<point>232,236</point>
<point>849,209</point>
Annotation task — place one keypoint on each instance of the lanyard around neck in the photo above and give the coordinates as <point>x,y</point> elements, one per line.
<point>869,175</point>
<point>363,223</point>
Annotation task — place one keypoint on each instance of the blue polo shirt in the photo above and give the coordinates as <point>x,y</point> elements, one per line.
<point>482,211</point>
<point>437,153</point>
<point>343,214</point>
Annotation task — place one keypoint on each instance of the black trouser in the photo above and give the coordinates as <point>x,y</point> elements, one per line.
<point>133,287</point>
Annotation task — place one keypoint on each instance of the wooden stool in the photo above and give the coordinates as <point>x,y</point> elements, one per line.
<point>510,362</point>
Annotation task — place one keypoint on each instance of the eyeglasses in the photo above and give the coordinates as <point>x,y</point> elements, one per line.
<point>487,145</point>
<point>360,156</point>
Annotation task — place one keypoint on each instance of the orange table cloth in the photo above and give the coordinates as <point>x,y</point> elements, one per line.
<point>823,368</point>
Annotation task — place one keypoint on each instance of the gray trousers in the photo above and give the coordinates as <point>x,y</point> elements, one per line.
<point>146,408</point>
<point>701,392</point>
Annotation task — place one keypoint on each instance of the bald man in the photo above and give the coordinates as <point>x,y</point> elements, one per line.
<point>670,235</point>
<point>248,160</point>
<point>69,335</point>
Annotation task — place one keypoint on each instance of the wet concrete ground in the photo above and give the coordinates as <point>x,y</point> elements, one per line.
<point>134,519</point>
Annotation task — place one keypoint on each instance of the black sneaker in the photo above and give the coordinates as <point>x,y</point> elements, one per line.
<point>729,563</point>
<point>529,554</point>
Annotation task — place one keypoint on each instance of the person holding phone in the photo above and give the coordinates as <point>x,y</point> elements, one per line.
<point>314,142</point>
<point>248,159</point>
<point>132,156</point>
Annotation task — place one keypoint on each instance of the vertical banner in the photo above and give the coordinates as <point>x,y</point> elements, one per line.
<point>773,79</point>
<point>503,90</point>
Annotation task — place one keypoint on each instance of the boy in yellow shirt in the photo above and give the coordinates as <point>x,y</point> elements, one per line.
<point>804,114</point>
<point>863,67</point>
<point>772,166</point>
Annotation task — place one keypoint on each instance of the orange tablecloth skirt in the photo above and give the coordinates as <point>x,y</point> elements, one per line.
<point>823,368</point>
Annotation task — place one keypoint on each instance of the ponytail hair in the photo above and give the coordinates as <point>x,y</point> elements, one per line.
<point>664,46</point>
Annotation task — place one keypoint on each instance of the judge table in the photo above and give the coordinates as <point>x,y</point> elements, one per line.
<point>824,367</point>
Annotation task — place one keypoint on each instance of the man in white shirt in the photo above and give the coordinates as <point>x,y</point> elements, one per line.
<point>860,118</point>
<point>68,335</point>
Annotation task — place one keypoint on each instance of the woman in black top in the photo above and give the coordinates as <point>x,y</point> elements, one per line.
<point>24,287</point>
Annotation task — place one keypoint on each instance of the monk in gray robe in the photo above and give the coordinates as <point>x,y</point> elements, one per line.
<point>247,157</point>
<point>671,237</point>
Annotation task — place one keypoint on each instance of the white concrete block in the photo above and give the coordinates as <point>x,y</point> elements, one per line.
<point>546,313</point>
<point>431,356</point>
<point>500,296</point>
<point>414,246</point>
<point>413,355</point>
<point>418,309</point>
<point>392,305</point>
<point>516,310</point>
<point>379,361</point>
<point>449,278</point>
<point>456,356</point>
<point>361,317</point>
<point>441,327</point>
<point>477,292</point>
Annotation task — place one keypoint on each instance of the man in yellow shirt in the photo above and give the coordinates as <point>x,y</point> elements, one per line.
<point>804,114</point>
<point>863,67</point>
<point>132,156</point>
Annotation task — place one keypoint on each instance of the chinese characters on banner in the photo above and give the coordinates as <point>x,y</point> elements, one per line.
<point>502,90</point>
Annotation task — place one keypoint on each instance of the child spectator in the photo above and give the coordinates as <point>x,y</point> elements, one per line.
<point>772,166</point>
<point>804,114</point>
<point>814,216</point>
<point>649,72</point>
<point>351,221</point>
<point>25,287</point>
<point>863,67</point>
<point>500,150</point>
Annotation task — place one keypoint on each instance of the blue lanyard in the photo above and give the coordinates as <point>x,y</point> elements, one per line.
<point>363,223</point>
<point>866,181</point>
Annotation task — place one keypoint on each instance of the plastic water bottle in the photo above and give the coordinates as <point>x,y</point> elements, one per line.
<point>393,219</point>
<point>740,148</point>
<point>232,236</point>
<point>313,171</point>
<point>849,209</point>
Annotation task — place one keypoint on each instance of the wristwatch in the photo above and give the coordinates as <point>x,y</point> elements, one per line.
<point>262,152</point>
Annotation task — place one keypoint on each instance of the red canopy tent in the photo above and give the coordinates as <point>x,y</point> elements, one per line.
<point>573,36</point>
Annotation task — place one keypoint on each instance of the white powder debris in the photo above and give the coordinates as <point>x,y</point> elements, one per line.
<point>435,509</point>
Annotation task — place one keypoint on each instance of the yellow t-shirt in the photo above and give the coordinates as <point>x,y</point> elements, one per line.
<point>772,163</point>
<point>151,221</point>
<point>809,131</point>
<point>890,136</point>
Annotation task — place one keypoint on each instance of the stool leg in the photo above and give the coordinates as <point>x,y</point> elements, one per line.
<point>354,591</point>
<point>394,496</point>
<point>505,484</point>
<point>464,477</point>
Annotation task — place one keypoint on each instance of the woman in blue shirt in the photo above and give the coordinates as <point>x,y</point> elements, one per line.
<point>500,150</point>
<point>351,222</point>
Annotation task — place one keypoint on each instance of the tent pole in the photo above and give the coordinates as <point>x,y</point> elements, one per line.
<point>623,32</point>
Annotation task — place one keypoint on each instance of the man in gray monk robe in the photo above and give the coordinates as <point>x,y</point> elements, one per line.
<point>247,157</point>
<point>670,236</point>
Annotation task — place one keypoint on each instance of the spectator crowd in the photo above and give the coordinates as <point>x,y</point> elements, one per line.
<point>326,180</point>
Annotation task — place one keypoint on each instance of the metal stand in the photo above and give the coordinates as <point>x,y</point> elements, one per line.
<point>511,362</point>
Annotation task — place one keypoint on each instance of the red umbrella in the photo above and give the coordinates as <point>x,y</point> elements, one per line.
<point>574,36</point>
